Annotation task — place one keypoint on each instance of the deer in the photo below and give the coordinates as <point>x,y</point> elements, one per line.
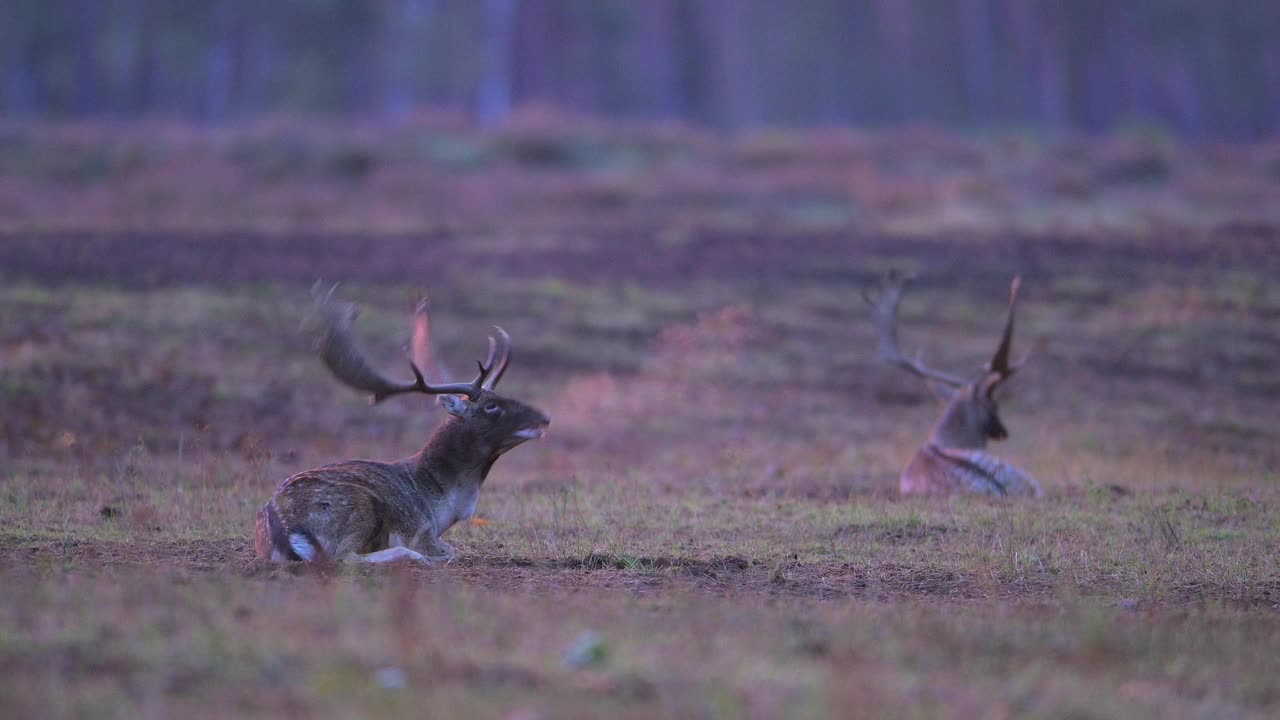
<point>365,511</point>
<point>954,458</point>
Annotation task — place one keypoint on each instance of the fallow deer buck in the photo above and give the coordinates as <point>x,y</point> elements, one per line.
<point>954,458</point>
<point>366,511</point>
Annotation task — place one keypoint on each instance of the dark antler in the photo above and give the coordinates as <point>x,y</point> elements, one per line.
<point>338,347</point>
<point>884,315</point>
<point>999,367</point>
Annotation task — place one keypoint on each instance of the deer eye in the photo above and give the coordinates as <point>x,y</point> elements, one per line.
<point>493,409</point>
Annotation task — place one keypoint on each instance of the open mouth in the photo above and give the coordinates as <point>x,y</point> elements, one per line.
<point>531,433</point>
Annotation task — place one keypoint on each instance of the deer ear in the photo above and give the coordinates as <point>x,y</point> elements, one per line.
<point>454,404</point>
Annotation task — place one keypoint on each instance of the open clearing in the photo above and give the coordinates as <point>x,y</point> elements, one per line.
<point>716,500</point>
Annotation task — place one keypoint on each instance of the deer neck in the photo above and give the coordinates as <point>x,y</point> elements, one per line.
<point>456,455</point>
<point>955,428</point>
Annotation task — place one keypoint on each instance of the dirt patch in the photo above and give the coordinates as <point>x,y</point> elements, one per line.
<point>633,254</point>
<point>711,568</point>
<point>897,534</point>
<point>1260,595</point>
<point>198,555</point>
<point>729,576</point>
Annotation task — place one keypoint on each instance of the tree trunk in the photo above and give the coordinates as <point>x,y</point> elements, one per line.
<point>493,96</point>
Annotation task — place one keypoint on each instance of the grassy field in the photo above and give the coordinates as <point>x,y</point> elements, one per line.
<point>712,528</point>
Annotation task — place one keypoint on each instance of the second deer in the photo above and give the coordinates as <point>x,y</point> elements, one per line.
<point>954,458</point>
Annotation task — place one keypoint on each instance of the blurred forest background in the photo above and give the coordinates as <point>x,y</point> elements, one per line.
<point>1201,69</point>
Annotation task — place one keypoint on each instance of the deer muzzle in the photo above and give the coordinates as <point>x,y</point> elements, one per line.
<point>534,432</point>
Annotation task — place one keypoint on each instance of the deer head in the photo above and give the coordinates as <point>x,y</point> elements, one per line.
<point>500,423</point>
<point>972,415</point>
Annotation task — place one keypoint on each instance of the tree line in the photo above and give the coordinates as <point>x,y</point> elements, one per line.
<point>1202,69</point>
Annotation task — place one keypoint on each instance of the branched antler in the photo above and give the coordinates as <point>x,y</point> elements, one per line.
<point>884,315</point>
<point>335,342</point>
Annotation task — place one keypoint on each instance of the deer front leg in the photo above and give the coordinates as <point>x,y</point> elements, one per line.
<point>391,554</point>
<point>435,549</point>
<point>429,550</point>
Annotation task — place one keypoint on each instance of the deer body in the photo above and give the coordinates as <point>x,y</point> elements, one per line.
<point>954,458</point>
<point>363,510</point>
<point>938,470</point>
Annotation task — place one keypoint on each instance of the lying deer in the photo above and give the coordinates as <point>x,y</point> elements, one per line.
<point>366,511</point>
<point>954,458</point>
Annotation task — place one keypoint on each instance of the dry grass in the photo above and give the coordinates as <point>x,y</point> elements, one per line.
<point>716,499</point>
<point>128,642</point>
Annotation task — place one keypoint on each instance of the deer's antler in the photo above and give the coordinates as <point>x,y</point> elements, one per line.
<point>499,353</point>
<point>335,342</point>
<point>999,368</point>
<point>884,315</point>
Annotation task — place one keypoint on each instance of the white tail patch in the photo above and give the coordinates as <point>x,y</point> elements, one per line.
<point>302,546</point>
